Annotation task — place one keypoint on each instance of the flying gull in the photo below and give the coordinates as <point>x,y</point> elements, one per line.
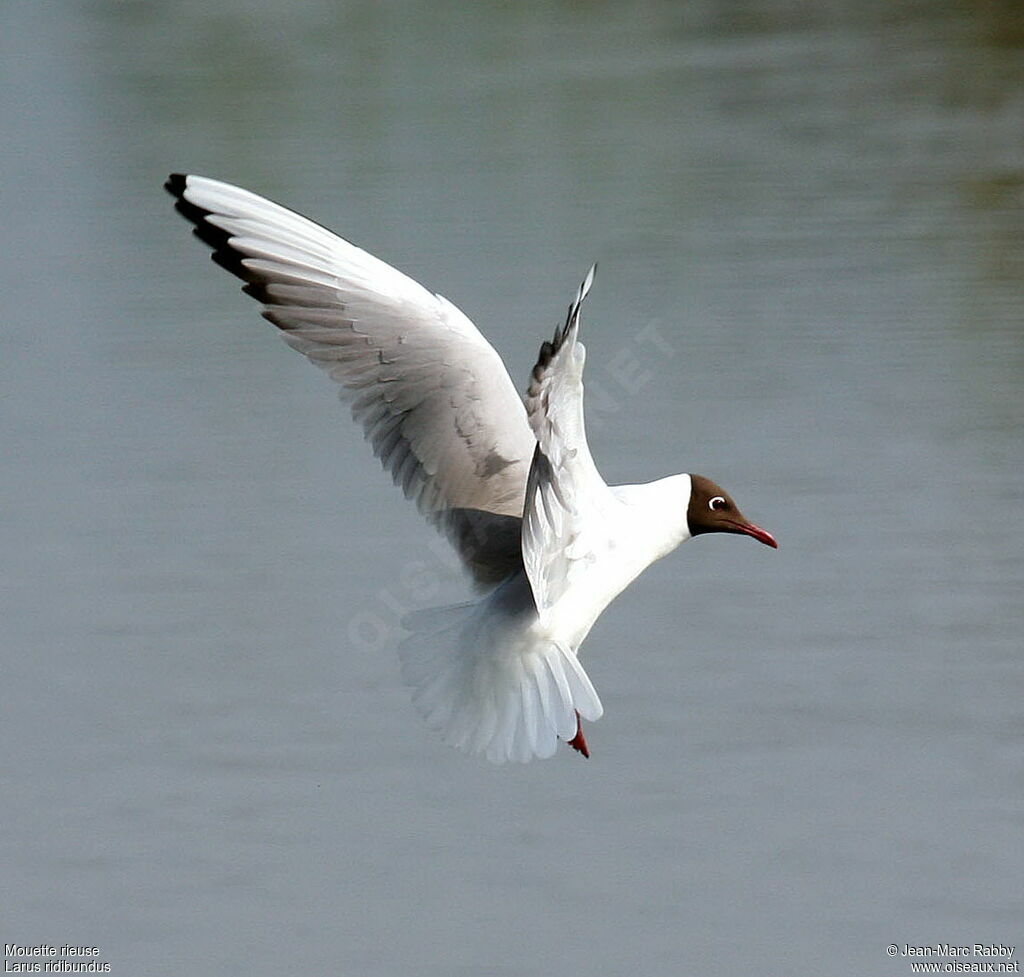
<point>509,480</point>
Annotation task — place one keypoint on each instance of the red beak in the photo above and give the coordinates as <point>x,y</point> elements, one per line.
<point>761,535</point>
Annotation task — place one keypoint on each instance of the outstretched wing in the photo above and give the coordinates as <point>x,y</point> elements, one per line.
<point>565,494</point>
<point>432,395</point>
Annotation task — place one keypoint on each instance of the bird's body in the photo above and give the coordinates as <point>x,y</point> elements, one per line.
<point>510,481</point>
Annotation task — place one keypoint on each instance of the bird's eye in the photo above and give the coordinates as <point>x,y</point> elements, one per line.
<point>717,504</point>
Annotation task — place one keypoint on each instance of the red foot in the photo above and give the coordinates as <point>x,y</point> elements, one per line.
<point>579,742</point>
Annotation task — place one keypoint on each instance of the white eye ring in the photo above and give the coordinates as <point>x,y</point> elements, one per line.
<point>713,504</point>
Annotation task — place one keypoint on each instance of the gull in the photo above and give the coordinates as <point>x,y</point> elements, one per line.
<point>509,480</point>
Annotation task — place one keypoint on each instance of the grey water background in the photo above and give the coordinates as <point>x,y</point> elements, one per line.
<point>209,764</point>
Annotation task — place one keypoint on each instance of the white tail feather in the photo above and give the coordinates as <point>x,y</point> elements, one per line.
<point>501,692</point>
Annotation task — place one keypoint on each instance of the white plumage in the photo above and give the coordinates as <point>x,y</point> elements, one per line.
<point>513,485</point>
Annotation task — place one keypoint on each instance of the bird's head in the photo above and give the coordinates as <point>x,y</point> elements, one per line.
<point>712,510</point>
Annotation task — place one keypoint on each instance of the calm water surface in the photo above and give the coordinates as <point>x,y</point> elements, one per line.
<point>209,765</point>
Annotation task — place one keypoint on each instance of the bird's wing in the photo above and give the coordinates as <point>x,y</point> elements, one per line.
<point>432,395</point>
<point>488,683</point>
<point>562,517</point>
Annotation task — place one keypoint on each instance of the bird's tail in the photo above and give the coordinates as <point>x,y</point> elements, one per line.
<point>490,691</point>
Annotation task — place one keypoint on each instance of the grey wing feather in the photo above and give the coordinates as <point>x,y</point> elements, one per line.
<point>564,486</point>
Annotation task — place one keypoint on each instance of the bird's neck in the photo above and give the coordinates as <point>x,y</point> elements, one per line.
<point>658,513</point>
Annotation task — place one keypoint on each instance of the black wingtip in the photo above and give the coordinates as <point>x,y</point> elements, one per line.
<point>218,240</point>
<point>175,184</point>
